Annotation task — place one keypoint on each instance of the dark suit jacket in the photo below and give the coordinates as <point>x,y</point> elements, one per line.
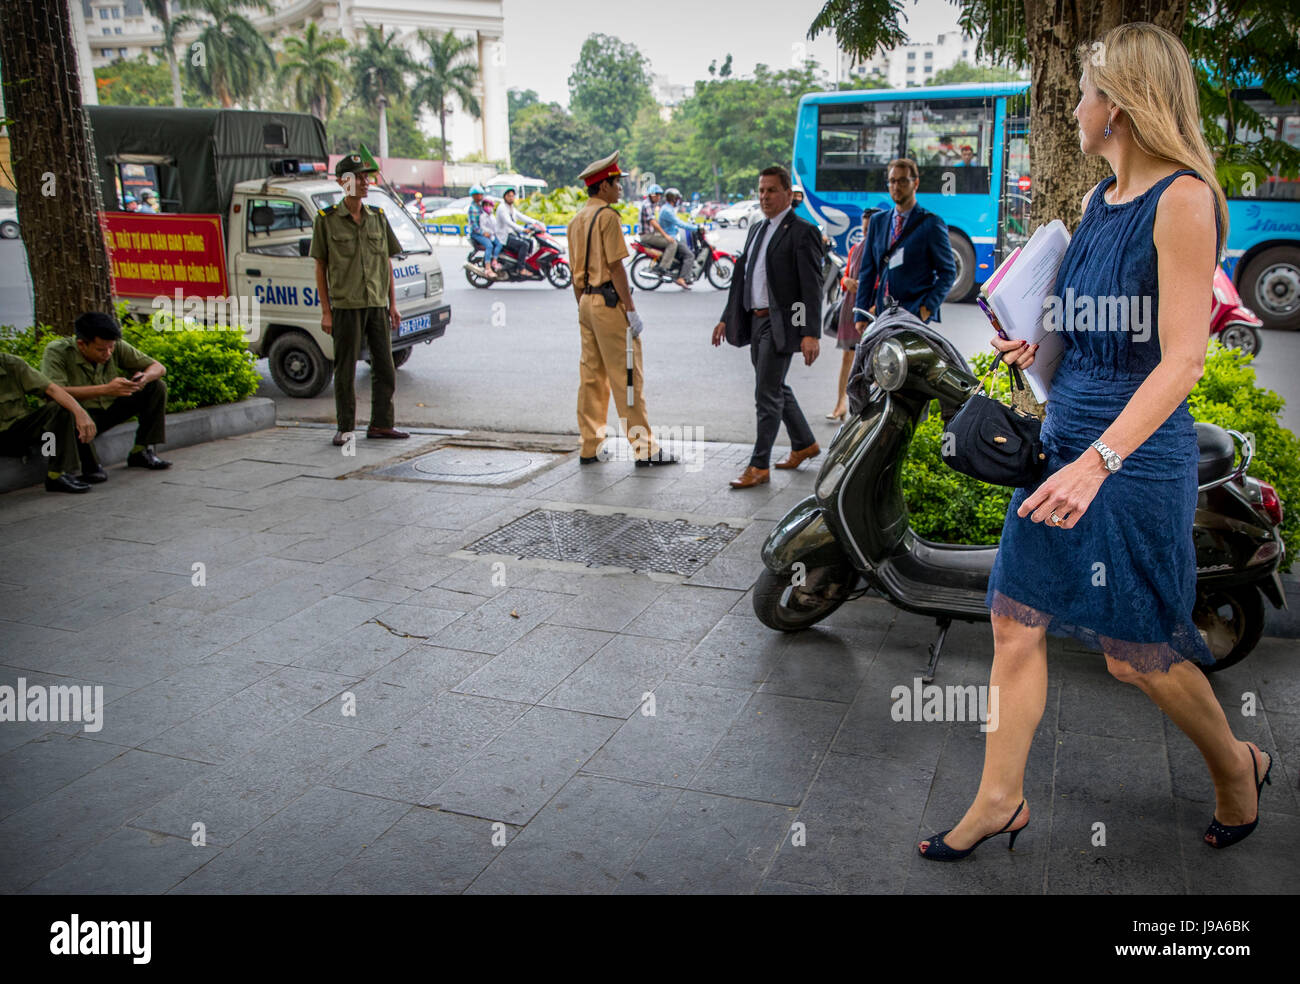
<point>794,285</point>
<point>926,272</point>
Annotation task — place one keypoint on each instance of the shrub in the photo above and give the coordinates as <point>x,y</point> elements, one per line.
<point>204,367</point>
<point>950,507</point>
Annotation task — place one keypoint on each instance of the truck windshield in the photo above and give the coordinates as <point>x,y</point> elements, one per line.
<point>408,234</point>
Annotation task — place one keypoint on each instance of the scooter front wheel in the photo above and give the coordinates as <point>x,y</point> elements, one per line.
<point>790,603</point>
<point>1239,336</point>
<point>1232,620</point>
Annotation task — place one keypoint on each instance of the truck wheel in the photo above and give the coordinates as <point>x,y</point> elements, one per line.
<point>963,254</point>
<point>1270,286</point>
<point>401,357</point>
<point>298,366</point>
<point>8,230</point>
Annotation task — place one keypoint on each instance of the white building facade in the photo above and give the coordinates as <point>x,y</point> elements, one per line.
<point>123,29</point>
<point>914,64</point>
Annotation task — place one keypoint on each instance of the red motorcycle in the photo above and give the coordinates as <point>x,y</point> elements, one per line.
<point>1236,325</point>
<point>706,259</point>
<point>534,256</point>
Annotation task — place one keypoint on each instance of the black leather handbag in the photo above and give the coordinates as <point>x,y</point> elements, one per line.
<point>993,442</point>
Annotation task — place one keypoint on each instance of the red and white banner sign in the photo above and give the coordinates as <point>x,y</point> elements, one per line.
<point>161,254</point>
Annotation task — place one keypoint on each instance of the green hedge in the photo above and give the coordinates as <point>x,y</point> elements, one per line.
<point>204,367</point>
<point>951,508</point>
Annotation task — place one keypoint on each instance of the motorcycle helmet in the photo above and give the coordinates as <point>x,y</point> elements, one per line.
<point>128,198</point>
<point>475,190</point>
<point>673,195</point>
<point>654,190</point>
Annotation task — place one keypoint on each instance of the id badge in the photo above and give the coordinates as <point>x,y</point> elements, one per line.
<point>897,258</point>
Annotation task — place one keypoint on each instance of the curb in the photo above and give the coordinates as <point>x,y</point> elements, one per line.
<point>183,430</point>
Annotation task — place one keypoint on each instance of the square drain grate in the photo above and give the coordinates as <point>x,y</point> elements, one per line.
<point>618,540</point>
<point>461,465</point>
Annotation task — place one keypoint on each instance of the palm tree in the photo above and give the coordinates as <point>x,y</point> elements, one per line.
<point>446,75</point>
<point>312,63</point>
<point>230,58</point>
<point>161,9</point>
<point>380,67</point>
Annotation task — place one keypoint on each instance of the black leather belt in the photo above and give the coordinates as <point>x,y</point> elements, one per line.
<point>597,290</point>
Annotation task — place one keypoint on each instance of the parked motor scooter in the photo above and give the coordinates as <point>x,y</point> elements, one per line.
<point>1236,325</point>
<point>853,534</point>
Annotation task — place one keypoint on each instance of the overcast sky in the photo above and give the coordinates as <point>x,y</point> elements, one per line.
<point>680,37</point>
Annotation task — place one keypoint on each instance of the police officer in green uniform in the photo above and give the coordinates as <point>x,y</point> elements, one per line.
<point>351,243</point>
<point>64,420</point>
<point>114,381</point>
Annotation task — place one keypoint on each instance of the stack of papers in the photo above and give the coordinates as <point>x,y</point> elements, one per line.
<point>1015,300</point>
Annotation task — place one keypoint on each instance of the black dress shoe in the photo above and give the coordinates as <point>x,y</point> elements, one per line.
<point>588,461</point>
<point>93,477</point>
<point>65,483</point>
<point>660,457</point>
<point>146,459</point>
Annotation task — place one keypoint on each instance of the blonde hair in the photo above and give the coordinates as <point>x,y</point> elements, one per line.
<point>1145,71</point>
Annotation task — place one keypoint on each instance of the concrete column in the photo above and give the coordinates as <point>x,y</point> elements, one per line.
<point>495,124</point>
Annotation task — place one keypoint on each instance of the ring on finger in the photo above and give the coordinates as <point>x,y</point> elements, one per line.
<point>1055,519</point>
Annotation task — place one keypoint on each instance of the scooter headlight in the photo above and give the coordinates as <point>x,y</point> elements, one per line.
<point>889,365</point>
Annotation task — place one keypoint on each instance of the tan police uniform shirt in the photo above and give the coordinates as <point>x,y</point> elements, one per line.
<point>17,379</point>
<point>68,367</point>
<point>355,254</point>
<point>607,243</point>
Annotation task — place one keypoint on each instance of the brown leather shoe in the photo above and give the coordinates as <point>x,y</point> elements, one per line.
<point>750,477</point>
<point>793,461</point>
<point>386,432</point>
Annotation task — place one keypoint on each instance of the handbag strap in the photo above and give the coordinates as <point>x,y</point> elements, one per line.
<point>1017,378</point>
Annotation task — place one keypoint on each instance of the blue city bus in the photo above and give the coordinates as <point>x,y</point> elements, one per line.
<point>971,146</point>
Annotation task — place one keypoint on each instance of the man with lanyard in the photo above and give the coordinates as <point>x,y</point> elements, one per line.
<point>652,233</point>
<point>675,229</point>
<point>511,225</point>
<point>351,243</point>
<point>482,232</point>
<point>608,321</point>
<point>920,283</point>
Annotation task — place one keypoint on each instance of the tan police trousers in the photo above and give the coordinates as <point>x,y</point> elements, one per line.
<point>604,369</point>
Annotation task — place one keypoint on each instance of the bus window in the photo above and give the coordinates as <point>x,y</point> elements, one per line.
<point>855,143</point>
<point>952,144</point>
<point>1281,123</point>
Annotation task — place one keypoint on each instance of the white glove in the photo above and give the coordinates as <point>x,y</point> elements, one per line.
<point>634,322</point>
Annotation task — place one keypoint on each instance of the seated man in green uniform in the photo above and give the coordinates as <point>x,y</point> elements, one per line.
<point>114,381</point>
<point>56,427</point>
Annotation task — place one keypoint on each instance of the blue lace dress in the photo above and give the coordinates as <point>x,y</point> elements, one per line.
<point>1123,580</point>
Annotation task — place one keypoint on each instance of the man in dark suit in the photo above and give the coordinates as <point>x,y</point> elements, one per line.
<point>774,307</point>
<point>907,257</point>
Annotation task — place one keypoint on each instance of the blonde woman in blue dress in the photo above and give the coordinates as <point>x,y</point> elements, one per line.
<point>1120,482</point>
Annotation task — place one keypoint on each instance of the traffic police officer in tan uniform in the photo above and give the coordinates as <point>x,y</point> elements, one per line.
<point>351,243</point>
<point>599,279</point>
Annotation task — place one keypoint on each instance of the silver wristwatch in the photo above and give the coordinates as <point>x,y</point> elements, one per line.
<point>1113,460</point>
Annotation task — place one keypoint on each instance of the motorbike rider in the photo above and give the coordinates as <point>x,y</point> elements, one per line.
<point>482,232</point>
<point>675,228</point>
<point>651,233</point>
<point>512,226</point>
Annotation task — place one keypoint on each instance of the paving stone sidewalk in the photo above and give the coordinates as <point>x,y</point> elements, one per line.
<point>352,703</point>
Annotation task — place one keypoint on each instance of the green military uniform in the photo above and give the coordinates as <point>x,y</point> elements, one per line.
<point>358,272</point>
<point>20,427</point>
<point>65,365</point>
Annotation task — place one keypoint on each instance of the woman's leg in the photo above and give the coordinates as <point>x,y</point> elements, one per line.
<point>842,399</point>
<point>1020,676</point>
<point>1187,697</point>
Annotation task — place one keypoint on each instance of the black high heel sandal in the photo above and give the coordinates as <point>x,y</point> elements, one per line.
<point>1220,835</point>
<point>939,851</point>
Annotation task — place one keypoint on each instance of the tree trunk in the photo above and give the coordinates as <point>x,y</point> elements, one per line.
<point>1060,174</point>
<point>442,133</point>
<point>383,128</point>
<point>58,186</point>
<point>178,98</point>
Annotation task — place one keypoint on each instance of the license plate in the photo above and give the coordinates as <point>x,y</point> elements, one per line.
<point>411,325</point>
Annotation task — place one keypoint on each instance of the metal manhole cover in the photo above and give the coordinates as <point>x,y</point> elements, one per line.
<point>618,540</point>
<point>471,466</point>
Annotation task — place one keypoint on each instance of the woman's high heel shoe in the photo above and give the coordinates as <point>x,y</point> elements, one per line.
<point>939,851</point>
<point>1221,835</point>
<point>837,416</point>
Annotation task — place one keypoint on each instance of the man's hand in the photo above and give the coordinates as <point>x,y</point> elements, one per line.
<point>394,316</point>
<point>850,285</point>
<point>86,429</point>
<point>634,322</point>
<point>810,348</point>
<point>925,313</point>
<point>121,386</point>
<point>327,322</point>
<point>719,332</point>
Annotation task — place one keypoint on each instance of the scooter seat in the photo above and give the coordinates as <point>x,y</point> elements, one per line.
<point>1218,452</point>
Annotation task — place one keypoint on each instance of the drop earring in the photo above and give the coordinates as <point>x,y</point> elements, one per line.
<point>1106,135</point>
